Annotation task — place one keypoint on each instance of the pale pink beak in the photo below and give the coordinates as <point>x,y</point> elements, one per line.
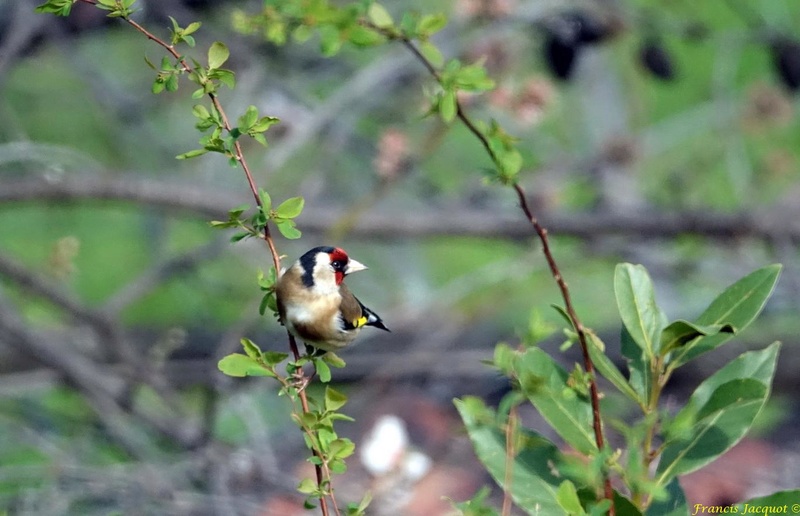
<point>354,266</point>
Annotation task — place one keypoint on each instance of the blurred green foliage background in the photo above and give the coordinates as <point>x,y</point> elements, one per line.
<point>713,145</point>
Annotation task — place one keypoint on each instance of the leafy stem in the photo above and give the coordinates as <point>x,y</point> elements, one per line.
<point>508,177</point>
<point>204,77</point>
<point>238,153</point>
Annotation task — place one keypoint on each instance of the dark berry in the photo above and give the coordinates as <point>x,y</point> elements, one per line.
<point>656,60</point>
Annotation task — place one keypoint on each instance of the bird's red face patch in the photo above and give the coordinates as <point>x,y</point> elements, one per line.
<point>340,258</point>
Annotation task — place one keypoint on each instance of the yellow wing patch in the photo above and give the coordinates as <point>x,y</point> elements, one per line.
<point>361,321</point>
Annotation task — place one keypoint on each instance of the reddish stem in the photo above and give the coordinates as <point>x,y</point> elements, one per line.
<point>267,236</point>
<point>551,262</point>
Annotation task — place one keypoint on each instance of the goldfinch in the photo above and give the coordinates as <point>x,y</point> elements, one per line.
<point>316,306</point>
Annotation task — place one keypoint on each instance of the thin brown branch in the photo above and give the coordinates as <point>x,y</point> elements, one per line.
<point>460,113</point>
<point>239,154</point>
<point>321,474</point>
<point>597,422</point>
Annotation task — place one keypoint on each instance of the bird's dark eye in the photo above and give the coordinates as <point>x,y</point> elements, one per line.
<point>337,265</point>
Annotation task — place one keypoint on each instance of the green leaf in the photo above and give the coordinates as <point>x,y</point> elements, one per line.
<point>307,486</point>
<point>341,448</point>
<point>364,36</point>
<point>302,33</point>
<point>323,370</point>
<point>722,409</point>
<point>218,53</point>
<point>288,230</point>
<point>448,106</point>
<point>200,112</point>
<point>239,365</point>
<point>307,419</point>
<point>274,358</point>
<point>431,24</point>
<point>534,477</point>
<point>251,348</point>
<point>266,200</point>
<point>265,123</point>
<point>234,214</point>
<point>680,332</point>
<point>290,208</point>
<point>778,502</point>
<point>379,16</point>
<point>191,28</point>
<point>639,372</point>
<point>175,26</point>
<point>564,314</point>
<point>606,367</point>
<point>476,506</point>
<point>510,163</point>
<point>473,78</point>
<point>365,501</point>
<point>222,224</point>
<point>57,7</point>
<point>567,497</point>
<point>738,305</point>
<point>260,139</point>
<point>673,504</point>
<point>337,466</point>
<point>334,400</point>
<point>330,40</point>
<point>538,329</point>
<point>544,382</point>
<point>158,86</point>
<point>622,504</point>
<point>241,236</point>
<point>171,84</point>
<point>248,119</point>
<point>432,53</point>
<point>191,154</point>
<point>637,307</point>
<point>504,358</point>
<point>266,282</point>
<point>226,77</point>
<point>333,360</point>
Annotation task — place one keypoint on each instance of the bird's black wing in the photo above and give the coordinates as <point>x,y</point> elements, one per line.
<point>373,319</point>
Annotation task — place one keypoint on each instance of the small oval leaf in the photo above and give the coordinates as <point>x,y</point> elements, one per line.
<point>239,365</point>
<point>379,16</point>
<point>448,106</point>
<point>334,400</point>
<point>287,229</point>
<point>218,53</point>
<point>290,208</point>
